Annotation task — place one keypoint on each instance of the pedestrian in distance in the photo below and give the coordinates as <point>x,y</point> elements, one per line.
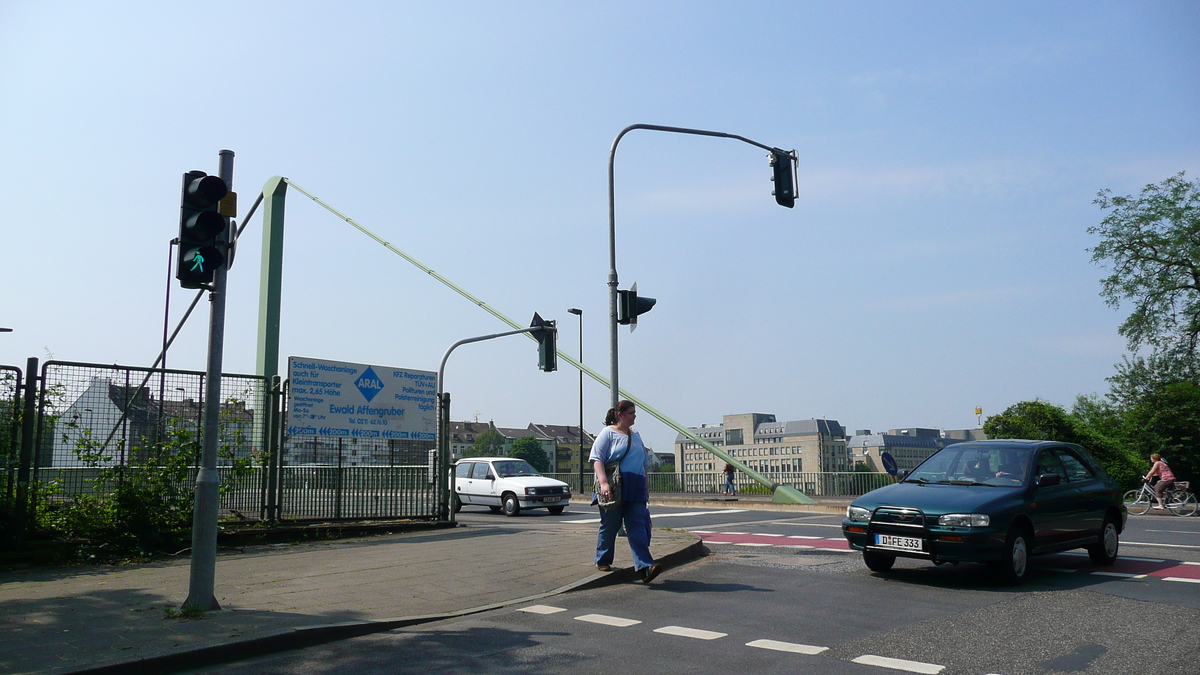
<point>1166,478</point>
<point>729,488</point>
<point>619,442</point>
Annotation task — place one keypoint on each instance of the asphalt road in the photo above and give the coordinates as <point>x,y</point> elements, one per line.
<point>781,594</point>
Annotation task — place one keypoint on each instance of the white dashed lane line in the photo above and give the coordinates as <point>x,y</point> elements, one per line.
<point>1121,575</point>
<point>1186,581</point>
<point>899,664</point>
<point>690,632</point>
<point>792,647</point>
<point>542,609</point>
<point>608,620</point>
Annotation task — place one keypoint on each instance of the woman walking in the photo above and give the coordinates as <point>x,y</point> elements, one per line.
<point>618,442</point>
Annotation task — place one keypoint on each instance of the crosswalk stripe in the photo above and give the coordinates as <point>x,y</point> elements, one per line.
<point>793,647</point>
<point>542,609</point>
<point>899,664</point>
<point>608,620</point>
<point>1183,579</point>
<point>690,632</point>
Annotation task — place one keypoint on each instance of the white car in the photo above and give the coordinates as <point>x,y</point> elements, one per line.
<point>506,484</point>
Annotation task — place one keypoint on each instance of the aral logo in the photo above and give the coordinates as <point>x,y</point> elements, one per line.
<point>369,384</point>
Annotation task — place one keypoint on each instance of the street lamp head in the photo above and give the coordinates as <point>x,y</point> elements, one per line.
<point>576,311</point>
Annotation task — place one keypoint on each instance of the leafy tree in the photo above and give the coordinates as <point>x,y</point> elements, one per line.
<point>1151,246</point>
<point>529,449</point>
<point>1034,420</point>
<point>488,444</point>
<point>1167,421</point>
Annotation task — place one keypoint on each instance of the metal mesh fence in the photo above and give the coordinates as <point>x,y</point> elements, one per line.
<point>10,405</point>
<point>96,417</point>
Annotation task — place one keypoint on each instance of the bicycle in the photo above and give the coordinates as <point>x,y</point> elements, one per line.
<point>1178,499</point>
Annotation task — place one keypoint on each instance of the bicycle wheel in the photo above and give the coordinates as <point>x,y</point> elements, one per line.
<point>1136,502</point>
<point>1182,503</point>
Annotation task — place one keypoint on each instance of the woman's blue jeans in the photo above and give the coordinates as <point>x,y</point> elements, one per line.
<point>637,527</point>
<point>729,484</point>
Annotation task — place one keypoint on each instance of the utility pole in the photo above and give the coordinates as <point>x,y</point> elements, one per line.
<point>202,581</point>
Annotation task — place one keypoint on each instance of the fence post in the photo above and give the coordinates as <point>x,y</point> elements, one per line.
<point>338,508</point>
<point>274,458</point>
<point>24,513</point>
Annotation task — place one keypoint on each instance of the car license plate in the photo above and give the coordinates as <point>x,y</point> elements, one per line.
<point>551,500</point>
<point>892,541</point>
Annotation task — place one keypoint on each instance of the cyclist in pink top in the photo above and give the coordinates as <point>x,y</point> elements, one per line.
<point>1166,478</point>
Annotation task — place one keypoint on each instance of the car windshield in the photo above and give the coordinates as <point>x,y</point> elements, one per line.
<point>974,465</point>
<point>514,467</point>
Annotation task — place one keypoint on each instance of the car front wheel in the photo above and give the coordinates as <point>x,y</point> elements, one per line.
<point>1104,551</point>
<point>1014,564</point>
<point>879,562</point>
<point>510,505</point>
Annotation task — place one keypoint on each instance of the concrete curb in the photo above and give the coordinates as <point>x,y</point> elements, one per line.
<point>310,636</point>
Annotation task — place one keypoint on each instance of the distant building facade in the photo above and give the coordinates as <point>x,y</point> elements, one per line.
<point>909,446</point>
<point>765,444</point>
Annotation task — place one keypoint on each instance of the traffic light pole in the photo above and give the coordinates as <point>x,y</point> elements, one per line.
<point>202,581</point>
<point>612,230</point>
<point>446,484</point>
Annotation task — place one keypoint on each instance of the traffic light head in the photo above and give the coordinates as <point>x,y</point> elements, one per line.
<point>202,229</point>
<point>784,178</point>
<point>629,306</point>
<point>547,339</point>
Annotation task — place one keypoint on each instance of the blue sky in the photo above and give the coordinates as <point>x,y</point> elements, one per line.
<point>936,258</point>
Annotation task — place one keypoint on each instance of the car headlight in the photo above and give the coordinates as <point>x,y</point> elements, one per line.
<point>530,491</point>
<point>965,520</point>
<point>858,514</point>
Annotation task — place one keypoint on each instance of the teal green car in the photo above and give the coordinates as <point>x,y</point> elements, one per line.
<point>997,502</point>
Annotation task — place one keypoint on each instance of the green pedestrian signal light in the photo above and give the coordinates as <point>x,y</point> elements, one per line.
<point>547,339</point>
<point>784,177</point>
<point>202,229</point>
<point>630,305</point>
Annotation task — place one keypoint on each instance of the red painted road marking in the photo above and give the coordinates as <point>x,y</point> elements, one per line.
<point>1166,568</point>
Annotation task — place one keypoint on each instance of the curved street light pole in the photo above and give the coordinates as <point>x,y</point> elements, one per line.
<point>612,229</point>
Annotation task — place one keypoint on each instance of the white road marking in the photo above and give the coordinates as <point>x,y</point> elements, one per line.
<point>769,535</point>
<point>1055,569</point>
<point>793,647</point>
<point>733,533</point>
<point>743,543</point>
<point>690,632</point>
<point>1122,575</point>
<point>542,609</point>
<point>608,620</point>
<point>702,531</point>
<point>1175,531</point>
<point>586,520</point>
<point>721,512</point>
<point>1183,579</point>
<point>899,664</point>
<point>796,546</point>
<point>1191,563</point>
<point>803,536</point>
<point>1127,557</point>
<point>1146,543</point>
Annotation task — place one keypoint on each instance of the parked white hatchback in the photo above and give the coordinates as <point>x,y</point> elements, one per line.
<point>506,484</point>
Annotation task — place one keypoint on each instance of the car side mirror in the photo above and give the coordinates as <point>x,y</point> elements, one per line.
<point>1048,479</point>
<point>490,476</point>
<point>902,475</point>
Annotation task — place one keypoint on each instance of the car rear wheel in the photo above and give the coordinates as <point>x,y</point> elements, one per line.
<point>879,562</point>
<point>1014,565</point>
<point>457,503</point>
<point>1182,504</point>
<point>1104,551</point>
<point>510,505</point>
<point>556,510</point>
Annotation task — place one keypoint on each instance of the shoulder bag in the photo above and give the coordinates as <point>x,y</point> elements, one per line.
<point>612,471</point>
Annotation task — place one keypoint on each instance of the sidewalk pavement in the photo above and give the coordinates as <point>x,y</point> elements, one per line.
<point>111,619</point>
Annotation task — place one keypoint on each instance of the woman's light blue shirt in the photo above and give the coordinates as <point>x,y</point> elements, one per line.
<point>610,442</point>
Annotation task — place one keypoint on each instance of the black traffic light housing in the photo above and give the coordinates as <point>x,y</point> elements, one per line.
<point>629,306</point>
<point>202,229</point>
<point>784,177</point>
<point>547,339</point>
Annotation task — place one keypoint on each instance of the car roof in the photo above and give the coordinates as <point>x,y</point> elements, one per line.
<point>489,459</point>
<point>1011,443</point>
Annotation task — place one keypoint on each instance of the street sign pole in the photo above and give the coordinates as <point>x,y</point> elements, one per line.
<point>202,581</point>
